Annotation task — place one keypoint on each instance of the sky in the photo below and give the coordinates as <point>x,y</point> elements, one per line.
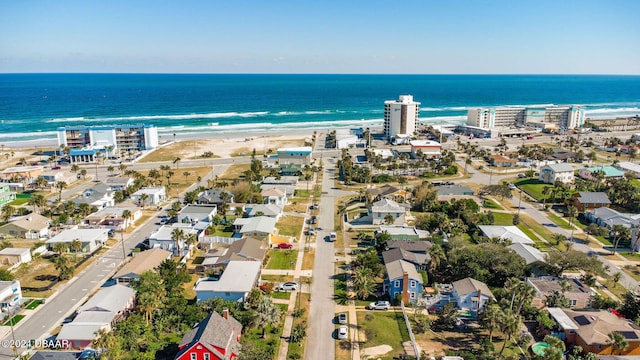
<point>321,36</point>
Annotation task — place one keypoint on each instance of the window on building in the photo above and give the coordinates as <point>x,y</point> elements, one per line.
<point>396,283</point>
<point>206,357</point>
<point>412,295</point>
<point>413,283</point>
<point>194,356</point>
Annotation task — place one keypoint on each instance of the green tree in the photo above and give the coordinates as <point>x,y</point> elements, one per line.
<point>267,314</point>
<point>60,185</point>
<point>556,348</point>
<point>150,293</point>
<point>65,269</point>
<point>491,318</point>
<point>617,342</point>
<point>7,212</point>
<point>298,332</point>
<point>363,283</point>
<point>6,275</point>
<point>509,325</point>
<point>76,245</point>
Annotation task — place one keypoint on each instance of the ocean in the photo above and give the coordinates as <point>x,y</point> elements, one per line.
<point>33,106</point>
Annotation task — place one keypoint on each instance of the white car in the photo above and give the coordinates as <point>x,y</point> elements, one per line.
<point>379,305</point>
<point>343,333</point>
<point>512,187</point>
<point>333,236</point>
<point>288,286</point>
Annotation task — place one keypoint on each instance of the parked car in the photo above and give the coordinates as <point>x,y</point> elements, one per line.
<point>313,220</point>
<point>379,305</point>
<point>333,236</point>
<point>343,333</point>
<point>56,168</point>
<point>285,246</point>
<point>521,176</point>
<point>512,187</point>
<point>164,220</point>
<point>312,231</point>
<point>111,233</point>
<point>342,318</point>
<point>288,286</point>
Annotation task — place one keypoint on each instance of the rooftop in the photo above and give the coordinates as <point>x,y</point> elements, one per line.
<point>113,298</point>
<point>238,276</point>
<point>396,269</point>
<point>528,253</point>
<point>593,198</point>
<point>512,233</point>
<point>85,235</point>
<point>264,224</point>
<point>143,261</point>
<point>561,167</point>
<point>468,286</point>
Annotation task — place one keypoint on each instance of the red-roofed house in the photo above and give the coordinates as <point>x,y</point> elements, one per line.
<point>215,338</point>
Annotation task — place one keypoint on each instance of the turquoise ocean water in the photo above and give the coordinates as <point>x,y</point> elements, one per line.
<point>33,106</point>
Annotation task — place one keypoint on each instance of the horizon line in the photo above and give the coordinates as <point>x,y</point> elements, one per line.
<point>293,74</point>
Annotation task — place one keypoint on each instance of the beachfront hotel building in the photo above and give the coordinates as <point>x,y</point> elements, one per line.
<point>400,118</point>
<point>552,117</point>
<point>123,138</point>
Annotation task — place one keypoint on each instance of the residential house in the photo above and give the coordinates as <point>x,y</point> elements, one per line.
<point>289,190</point>
<point>259,227</point>
<point>91,239</point>
<point>215,197</point>
<point>13,257</point>
<point>629,168</point>
<point>23,174</point>
<point>418,247</point>
<point>427,149</point>
<point>455,189</point>
<point>290,169</point>
<point>270,210</point>
<point>246,249</point>
<point>609,218</point>
<point>606,172</point>
<point>282,180</point>
<point>108,306</point>
<point>235,283</point>
<point>52,177</point>
<point>6,195</point>
<point>192,214</point>
<point>403,232</point>
<point>10,294</point>
<point>578,294</point>
<point>118,183</point>
<point>471,294</point>
<point>562,172</point>
<point>501,161</point>
<point>140,263</point>
<point>295,155</point>
<point>403,281</point>
<point>511,233</point>
<point>112,217</point>
<point>385,191</point>
<point>31,226</point>
<point>589,329</point>
<point>590,200</point>
<point>100,196</point>
<point>532,256</point>
<point>420,261</point>
<point>563,155</point>
<point>215,338</point>
<point>379,210</point>
<point>163,238</point>
<point>274,197</point>
<point>155,195</point>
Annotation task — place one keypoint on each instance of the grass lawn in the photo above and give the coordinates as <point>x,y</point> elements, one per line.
<point>533,187</point>
<point>277,278</point>
<point>281,295</point>
<point>490,204</point>
<point>272,340</point>
<point>19,201</point>
<point>222,230</point>
<point>290,225</point>
<point>631,256</point>
<point>537,228</point>
<point>633,271</point>
<point>383,328</point>
<point>33,304</point>
<point>503,219</point>
<point>39,273</point>
<point>303,303</point>
<point>559,221</point>
<point>282,259</point>
<point>178,180</point>
<point>308,259</point>
<point>235,171</point>
<point>14,320</point>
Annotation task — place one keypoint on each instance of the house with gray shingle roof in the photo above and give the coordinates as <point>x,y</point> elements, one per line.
<point>403,280</point>
<point>217,336</point>
<point>590,200</point>
<point>215,196</point>
<point>380,209</point>
<point>563,172</point>
<point>471,294</point>
<point>420,261</point>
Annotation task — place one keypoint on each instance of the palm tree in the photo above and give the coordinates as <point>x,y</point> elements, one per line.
<point>186,176</point>
<point>509,325</point>
<point>126,216</point>
<point>178,235</point>
<point>60,248</point>
<point>437,257</point>
<point>176,161</point>
<point>363,283</point>
<point>619,232</point>
<point>7,212</point>
<point>556,348</point>
<point>267,314</point>
<point>61,185</point>
<point>143,199</point>
<point>491,318</point>
<point>617,342</point>
<point>191,239</point>
<point>151,293</point>
<point>76,245</point>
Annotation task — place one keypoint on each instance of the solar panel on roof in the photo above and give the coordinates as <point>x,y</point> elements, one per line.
<point>628,334</point>
<point>582,320</point>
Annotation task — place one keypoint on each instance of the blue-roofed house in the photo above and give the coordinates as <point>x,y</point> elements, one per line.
<point>403,280</point>
<point>85,155</point>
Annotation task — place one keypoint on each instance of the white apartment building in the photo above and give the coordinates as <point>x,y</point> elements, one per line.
<point>123,138</point>
<point>552,117</point>
<point>400,118</point>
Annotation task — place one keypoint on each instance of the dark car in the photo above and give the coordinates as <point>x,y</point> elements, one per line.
<point>313,220</point>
